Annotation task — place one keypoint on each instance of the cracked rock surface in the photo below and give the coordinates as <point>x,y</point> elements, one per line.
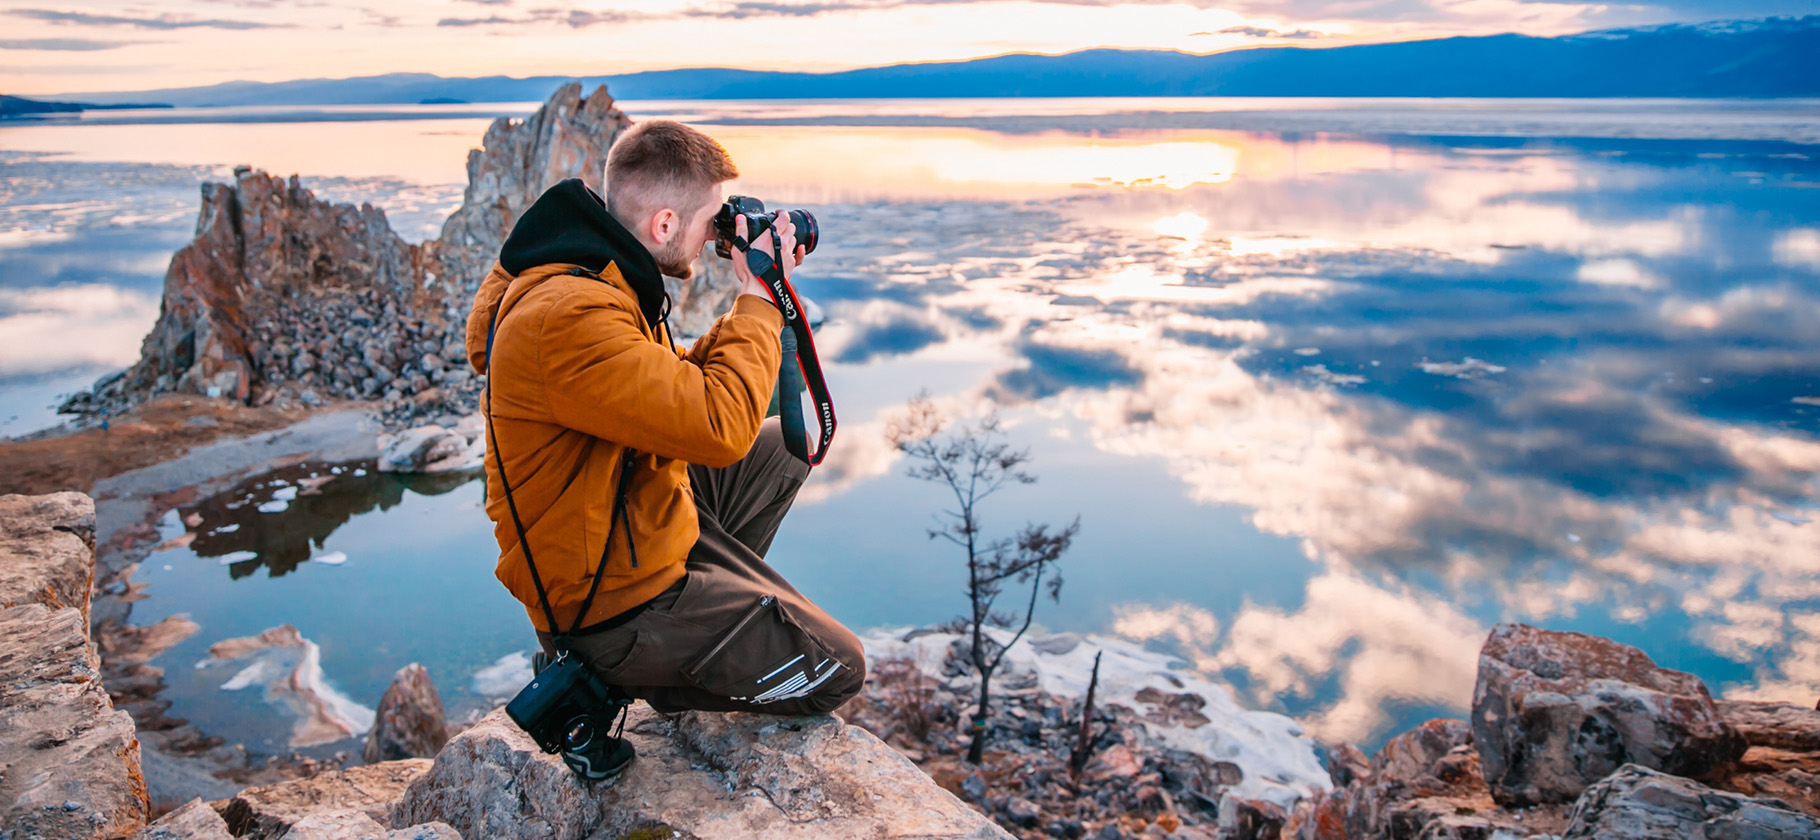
<point>705,776</point>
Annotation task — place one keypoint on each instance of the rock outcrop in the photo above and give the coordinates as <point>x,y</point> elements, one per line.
<point>1555,712</point>
<point>409,722</point>
<point>567,138</point>
<point>281,287</point>
<point>69,762</point>
<point>1637,803</point>
<point>282,297</point>
<point>47,551</point>
<point>271,811</point>
<point>702,776</point>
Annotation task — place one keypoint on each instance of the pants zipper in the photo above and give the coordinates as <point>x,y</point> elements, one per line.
<point>751,613</point>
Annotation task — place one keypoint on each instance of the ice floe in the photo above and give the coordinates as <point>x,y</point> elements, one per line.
<point>504,677</point>
<point>289,669</point>
<point>331,558</point>
<point>275,506</point>
<point>233,557</point>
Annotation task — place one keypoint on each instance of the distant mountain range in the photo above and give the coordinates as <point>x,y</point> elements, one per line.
<point>1777,57</point>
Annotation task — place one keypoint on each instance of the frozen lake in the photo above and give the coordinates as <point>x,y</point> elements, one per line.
<point>1334,386</point>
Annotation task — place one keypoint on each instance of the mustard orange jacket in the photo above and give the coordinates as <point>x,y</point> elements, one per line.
<point>580,373</point>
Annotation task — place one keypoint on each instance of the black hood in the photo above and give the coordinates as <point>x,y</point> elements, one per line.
<point>570,224</point>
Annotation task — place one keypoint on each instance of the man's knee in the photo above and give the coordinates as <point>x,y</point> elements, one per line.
<point>847,683</point>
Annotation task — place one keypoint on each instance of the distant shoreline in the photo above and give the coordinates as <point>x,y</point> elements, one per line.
<point>1788,121</point>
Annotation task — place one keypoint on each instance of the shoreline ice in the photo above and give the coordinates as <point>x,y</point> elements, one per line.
<point>1277,758</point>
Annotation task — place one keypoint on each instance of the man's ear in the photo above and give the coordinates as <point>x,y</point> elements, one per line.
<point>665,225</point>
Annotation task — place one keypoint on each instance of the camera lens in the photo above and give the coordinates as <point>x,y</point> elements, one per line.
<point>579,734</point>
<point>806,231</point>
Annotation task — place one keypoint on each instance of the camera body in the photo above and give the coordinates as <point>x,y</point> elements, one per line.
<point>757,222</point>
<point>566,708</point>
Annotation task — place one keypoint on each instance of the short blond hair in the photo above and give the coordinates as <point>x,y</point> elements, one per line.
<point>663,164</point>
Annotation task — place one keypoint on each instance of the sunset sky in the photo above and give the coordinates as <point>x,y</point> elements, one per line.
<point>104,45</point>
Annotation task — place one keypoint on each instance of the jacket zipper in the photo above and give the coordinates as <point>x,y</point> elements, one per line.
<point>751,613</point>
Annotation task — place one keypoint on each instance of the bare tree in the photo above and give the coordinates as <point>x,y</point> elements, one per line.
<point>974,462</point>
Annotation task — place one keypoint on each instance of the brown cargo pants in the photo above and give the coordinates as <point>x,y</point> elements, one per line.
<point>733,635</point>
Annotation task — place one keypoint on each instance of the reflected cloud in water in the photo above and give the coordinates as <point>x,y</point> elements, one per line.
<point>1474,384</point>
<point>1343,402</point>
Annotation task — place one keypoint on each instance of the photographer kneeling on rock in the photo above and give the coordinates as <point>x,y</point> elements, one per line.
<point>645,483</point>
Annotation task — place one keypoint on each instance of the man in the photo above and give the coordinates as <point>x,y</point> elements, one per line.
<point>587,390</point>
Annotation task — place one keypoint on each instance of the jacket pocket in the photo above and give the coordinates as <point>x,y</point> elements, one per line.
<point>765,657</point>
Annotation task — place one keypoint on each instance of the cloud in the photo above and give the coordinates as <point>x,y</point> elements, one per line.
<point>63,44</point>
<point>485,21</point>
<point>1261,32</point>
<point>165,21</point>
<point>758,8</point>
<point>62,327</point>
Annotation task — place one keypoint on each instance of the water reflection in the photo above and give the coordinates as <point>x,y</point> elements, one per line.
<point>1330,405</point>
<point>1534,385</point>
<point>283,518</point>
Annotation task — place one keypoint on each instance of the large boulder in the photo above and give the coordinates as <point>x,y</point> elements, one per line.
<point>271,811</point>
<point>47,550</point>
<point>1553,713</point>
<point>1637,803</point>
<point>409,723</point>
<point>429,449</point>
<point>704,776</point>
<point>69,764</point>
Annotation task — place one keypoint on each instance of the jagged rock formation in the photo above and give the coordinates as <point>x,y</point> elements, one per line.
<point>1637,803</point>
<point>705,776</point>
<point>69,764</point>
<point>567,138</point>
<point>1555,712</point>
<point>409,722</point>
<point>285,298</point>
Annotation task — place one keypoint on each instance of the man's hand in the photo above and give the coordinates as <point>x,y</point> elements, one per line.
<point>750,284</point>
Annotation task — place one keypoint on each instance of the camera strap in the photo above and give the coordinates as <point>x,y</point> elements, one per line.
<point>797,341</point>
<point>562,640</point>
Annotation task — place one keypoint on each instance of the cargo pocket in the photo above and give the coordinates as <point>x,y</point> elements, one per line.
<point>766,657</point>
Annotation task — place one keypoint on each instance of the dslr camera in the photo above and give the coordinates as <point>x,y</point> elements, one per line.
<point>568,709</point>
<point>757,222</point>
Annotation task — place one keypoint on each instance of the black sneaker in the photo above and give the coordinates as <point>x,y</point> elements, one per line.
<point>595,755</point>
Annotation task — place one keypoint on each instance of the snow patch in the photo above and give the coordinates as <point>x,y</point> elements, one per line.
<point>1279,762</point>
